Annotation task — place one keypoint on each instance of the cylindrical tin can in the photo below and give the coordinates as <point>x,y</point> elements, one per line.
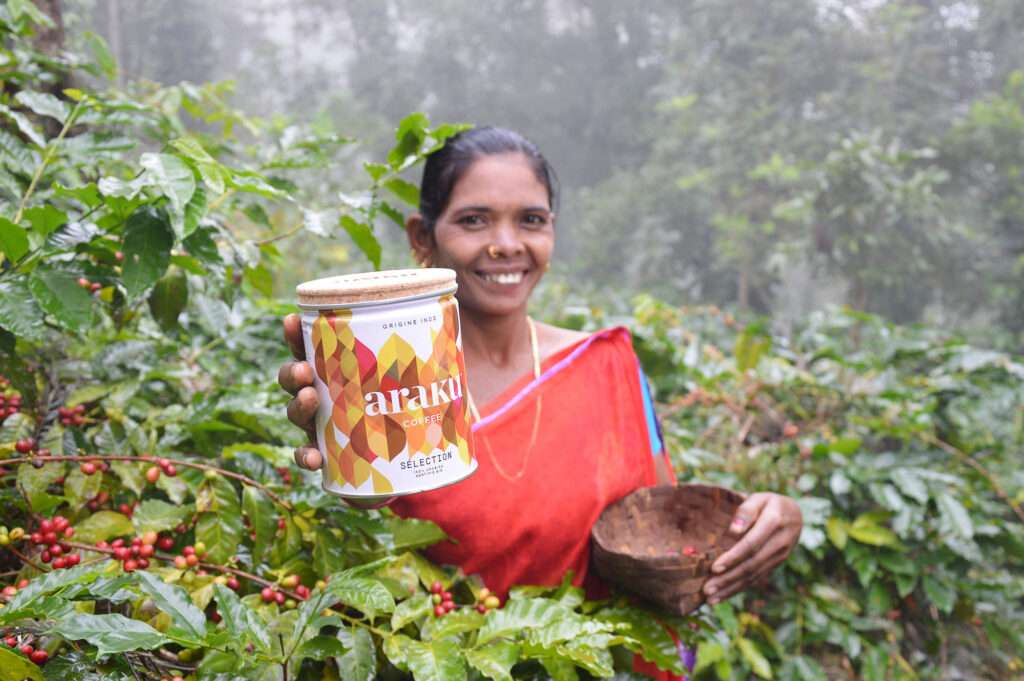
<point>386,353</point>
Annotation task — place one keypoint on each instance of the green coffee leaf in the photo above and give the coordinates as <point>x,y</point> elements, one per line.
<point>17,427</point>
<point>520,614</point>
<point>406,191</point>
<point>13,240</point>
<point>19,313</point>
<point>366,595</point>
<point>438,660</point>
<point>457,622</point>
<point>59,293</point>
<point>110,633</point>
<point>708,653</point>
<point>494,661</point>
<point>411,609</point>
<point>174,601</point>
<point>319,648</point>
<point>413,533</point>
<point>44,219</point>
<point>329,555</point>
<point>363,237</point>
<point>240,621</point>
<point>597,660</point>
<point>25,8</point>
<point>754,657</point>
<point>103,526</point>
<point>263,519</point>
<point>360,662</point>
<point>44,104</point>
<point>941,594</point>
<point>25,127</point>
<point>221,532</point>
<point>410,134</point>
<point>79,487</point>
<point>168,298</point>
<point>803,668</point>
<point>649,638</point>
<point>217,494</point>
<point>172,176</point>
<point>35,480</point>
<point>955,516</point>
<point>155,515</point>
<point>147,250</point>
<point>14,667</point>
<point>102,53</point>
<point>560,669</point>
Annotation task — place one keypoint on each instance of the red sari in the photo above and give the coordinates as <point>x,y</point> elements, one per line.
<point>553,452</point>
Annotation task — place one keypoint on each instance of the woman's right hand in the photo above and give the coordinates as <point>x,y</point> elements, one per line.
<point>296,377</point>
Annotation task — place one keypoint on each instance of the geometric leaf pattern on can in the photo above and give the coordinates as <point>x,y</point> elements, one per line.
<point>351,370</point>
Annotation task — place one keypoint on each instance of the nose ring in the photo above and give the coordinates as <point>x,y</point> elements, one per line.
<point>492,251</point>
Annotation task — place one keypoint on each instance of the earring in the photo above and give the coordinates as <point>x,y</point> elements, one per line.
<point>492,251</point>
<point>423,262</point>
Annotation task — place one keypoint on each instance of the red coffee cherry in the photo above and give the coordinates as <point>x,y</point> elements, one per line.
<point>233,583</point>
<point>439,610</point>
<point>267,594</point>
<point>165,543</point>
<point>130,565</point>
<point>436,588</point>
<point>153,474</point>
<point>88,468</point>
<point>39,656</point>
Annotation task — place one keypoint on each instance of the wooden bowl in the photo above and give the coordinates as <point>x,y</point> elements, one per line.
<point>638,542</point>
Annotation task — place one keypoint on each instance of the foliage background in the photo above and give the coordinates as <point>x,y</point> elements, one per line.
<point>902,443</point>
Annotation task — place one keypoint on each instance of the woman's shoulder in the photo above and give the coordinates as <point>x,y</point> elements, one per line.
<point>554,340</point>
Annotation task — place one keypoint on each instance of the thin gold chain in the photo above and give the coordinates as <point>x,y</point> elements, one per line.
<point>535,349</point>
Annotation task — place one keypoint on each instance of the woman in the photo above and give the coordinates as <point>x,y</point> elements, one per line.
<point>562,421</point>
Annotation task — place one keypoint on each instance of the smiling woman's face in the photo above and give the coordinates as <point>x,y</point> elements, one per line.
<point>497,233</point>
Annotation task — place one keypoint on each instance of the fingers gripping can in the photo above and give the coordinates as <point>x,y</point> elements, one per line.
<point>386,353</point>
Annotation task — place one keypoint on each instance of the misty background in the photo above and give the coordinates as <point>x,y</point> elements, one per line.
<point>768,157</point>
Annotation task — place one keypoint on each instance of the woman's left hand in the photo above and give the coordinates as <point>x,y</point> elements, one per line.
<point>769,525</point>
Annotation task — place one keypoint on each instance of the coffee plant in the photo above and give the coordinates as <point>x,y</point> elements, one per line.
<point>903,448</point>
<point>154,526</point>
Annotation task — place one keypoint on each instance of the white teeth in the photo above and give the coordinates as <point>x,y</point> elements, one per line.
<point>504,278</point>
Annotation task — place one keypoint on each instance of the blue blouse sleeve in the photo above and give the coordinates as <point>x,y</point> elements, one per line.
<point>653,427</point>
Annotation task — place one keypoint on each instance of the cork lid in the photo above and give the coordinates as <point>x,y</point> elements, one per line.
<point>375,286</point>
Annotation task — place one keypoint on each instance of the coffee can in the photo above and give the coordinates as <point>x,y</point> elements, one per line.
<point>386,353</point>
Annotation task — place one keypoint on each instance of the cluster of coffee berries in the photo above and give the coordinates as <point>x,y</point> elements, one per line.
<point>10,589</point>
<point>9,406</point>
<point>294,583</point>
<point>285,473</point>
<point>71,416</point>
<point>37,656</point>
<point>269,594</point>
<point>230,581</point>
<point>487,600</point>
<point>28,445</point>
<point>165,465</point>
<point>189,556</point>
<point>443,600</point>
<point>133,554</point>
<point>90,467</point>
<point>445,603</point>
<point>49,534</point>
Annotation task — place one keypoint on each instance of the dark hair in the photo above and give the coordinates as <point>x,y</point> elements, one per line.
<point>445,166</point>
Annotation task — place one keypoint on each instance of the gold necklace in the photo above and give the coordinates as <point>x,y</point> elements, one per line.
<point>534,348</point>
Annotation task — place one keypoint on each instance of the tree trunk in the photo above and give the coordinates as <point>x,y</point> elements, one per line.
<point>50,40</point>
